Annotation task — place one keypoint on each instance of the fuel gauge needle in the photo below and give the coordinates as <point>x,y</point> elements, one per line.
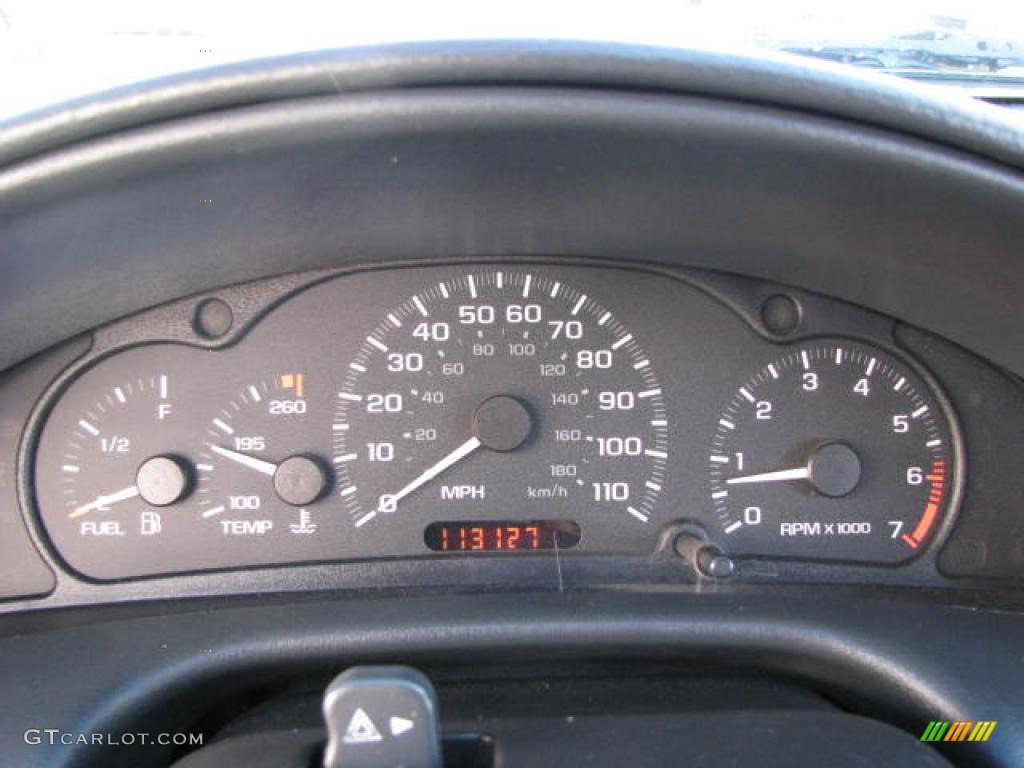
<point>797,473</point>
<point>102,501</point>
<point>265,467</point>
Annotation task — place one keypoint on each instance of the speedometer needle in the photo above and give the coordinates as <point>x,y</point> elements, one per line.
<point>265,467</point>
<point>103,501</point>
<point>389,502</point>
<point>797,473</point>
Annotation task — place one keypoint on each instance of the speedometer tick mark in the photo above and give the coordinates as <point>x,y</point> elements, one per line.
<point>637,514</point>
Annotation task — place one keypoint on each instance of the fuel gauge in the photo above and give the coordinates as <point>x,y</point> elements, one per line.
<point>117,467</point>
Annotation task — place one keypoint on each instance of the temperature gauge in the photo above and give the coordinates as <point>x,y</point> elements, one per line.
<point>256,474</point>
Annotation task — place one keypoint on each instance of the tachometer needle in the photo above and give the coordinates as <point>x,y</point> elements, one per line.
<point>389,502</point>
<point>266,467</point>
<point>797,473</point>
<point>102,501</point>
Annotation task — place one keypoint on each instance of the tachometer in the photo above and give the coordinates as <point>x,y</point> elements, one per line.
<point>833,451</point>
<point>500,395</point>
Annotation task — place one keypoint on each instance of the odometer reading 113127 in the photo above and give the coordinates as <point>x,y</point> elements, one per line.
<point>501,536</point>
<point>499,396</point>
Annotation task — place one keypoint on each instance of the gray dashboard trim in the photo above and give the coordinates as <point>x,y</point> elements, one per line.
<point>113,226</point>
<point>776,79</point>
<point>890,658</point>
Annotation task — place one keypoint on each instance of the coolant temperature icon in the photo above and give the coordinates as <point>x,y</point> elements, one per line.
<point>305,524</point>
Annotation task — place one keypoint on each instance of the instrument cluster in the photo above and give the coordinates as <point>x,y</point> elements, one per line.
<point>509,410</point>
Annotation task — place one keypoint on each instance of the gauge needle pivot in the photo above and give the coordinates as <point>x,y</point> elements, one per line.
<point>833,469</point>
<point>390,501</point>
<point>797,473</point>
<point>261,466</point>
<point>102,501</point>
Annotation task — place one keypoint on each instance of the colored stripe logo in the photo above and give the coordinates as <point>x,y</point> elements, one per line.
<point>958,730</point>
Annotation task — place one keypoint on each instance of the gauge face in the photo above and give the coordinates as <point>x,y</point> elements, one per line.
<point>257,476</point>
<point>833,451</point>
<point>499,395</point>
<point>122,471</point>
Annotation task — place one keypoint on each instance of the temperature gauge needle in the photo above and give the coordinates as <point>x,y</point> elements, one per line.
<point>797,473</point>
<point>389,502</point>
<point>264,467</point>
<point>106,500</point>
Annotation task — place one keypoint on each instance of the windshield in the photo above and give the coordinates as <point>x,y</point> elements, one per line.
<point>53,50</point>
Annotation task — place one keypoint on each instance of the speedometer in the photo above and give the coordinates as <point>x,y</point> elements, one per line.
<point>503,398</point>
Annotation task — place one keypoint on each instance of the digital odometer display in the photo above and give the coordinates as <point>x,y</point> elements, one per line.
<point>501,536</point>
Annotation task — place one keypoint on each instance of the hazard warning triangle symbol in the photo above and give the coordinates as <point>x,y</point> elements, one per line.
<point>361,729</point>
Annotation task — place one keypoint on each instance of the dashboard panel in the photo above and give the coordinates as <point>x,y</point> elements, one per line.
<point>167,231</point>
<point>653,424</point>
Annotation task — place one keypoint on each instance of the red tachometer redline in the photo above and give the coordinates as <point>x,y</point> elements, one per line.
<point>936,490</point>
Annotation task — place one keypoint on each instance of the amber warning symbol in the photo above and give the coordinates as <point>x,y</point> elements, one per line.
<point>295,382</point>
